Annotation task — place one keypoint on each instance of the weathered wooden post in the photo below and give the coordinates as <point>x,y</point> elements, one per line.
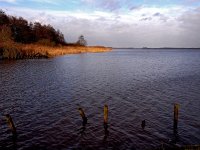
<point>176,109</point>
<point>11,124</point>
<point>83,116</point>
<point>105,117</point>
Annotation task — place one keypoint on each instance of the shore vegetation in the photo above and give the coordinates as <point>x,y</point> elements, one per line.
<point>20,39</point>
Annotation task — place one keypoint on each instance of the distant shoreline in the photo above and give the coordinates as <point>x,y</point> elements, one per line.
<point>153,48</point>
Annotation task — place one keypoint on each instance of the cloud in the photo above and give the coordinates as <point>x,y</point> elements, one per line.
<point>164,27</point>
<point>157,14</point>
<point>9,1</point>
<point>192,1</point>
<point>46,1</point>
<point>160,16</point>
<point>109,5</point>
<point>146,19</point>
<point>135,7</point>
<point>190,20</point>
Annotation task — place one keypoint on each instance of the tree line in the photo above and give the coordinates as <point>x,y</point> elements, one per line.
<point>20,30</point>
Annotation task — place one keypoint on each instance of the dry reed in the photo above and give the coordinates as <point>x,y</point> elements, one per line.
<point>12,50</point>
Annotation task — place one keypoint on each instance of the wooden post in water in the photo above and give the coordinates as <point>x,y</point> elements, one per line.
<point>11,124</point>
<point>105,117</point>
<point>83,116</point>
<point>176,109</point>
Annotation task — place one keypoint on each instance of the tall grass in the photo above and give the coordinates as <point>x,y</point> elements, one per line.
<point>12,50</point>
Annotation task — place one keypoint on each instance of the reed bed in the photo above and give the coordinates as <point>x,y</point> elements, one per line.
<point>12,50</point>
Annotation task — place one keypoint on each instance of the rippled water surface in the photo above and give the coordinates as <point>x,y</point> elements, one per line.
<point>43,97</point>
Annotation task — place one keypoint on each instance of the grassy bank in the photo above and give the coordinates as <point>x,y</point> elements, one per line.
<point>12,50</point>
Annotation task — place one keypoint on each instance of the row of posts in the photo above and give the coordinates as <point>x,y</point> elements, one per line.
<point>84,118</point>
<point>143,124</point>
<point>105,124</point>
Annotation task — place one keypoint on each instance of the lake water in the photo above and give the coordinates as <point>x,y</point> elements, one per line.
<point>43,97</point>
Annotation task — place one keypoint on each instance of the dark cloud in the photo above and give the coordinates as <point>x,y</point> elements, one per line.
<point>135,7</point>
<point>146,19</point>
<point>160,16</point>
<point>157,14</point>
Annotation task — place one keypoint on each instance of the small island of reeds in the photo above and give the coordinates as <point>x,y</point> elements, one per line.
<point>20,39</point>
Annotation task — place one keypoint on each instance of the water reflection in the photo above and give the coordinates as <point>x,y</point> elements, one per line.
<point>14,140</point>
<point>106,133</point>
<point>176,137</point>
<point>81,130</point>
<point>11,137</point>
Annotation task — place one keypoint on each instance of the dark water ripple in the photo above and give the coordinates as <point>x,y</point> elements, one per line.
<point>43,95</point>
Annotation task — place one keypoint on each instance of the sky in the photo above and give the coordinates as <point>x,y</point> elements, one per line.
<point>116,23</point>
